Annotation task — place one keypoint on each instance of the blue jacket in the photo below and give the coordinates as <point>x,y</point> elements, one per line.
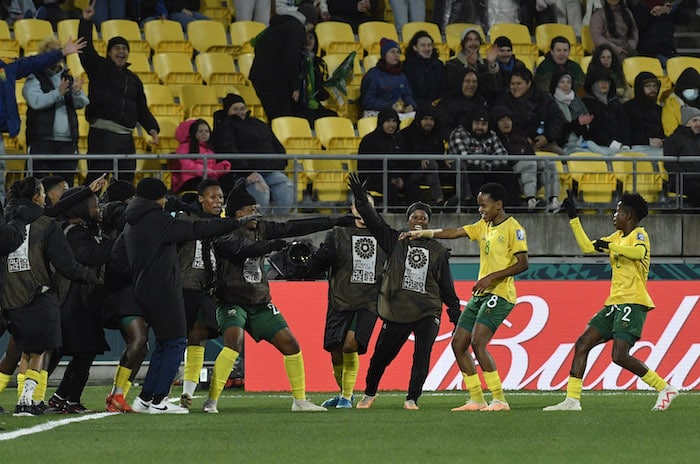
<point>380,89</point>
<point>9,73</point>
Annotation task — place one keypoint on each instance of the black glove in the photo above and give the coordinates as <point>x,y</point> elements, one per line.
<point>21,213</point>
<point>277,244</point>
<point>345,221</point>
<point>601,245</point>
<point>454,314</point>
<point>358,187</point>
<point>569,204</point>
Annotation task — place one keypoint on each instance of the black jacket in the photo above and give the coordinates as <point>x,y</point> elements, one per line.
<point>535,106</point>
<point>278,54</point>
<point>426,77</point>
<point>346,11</point>
<point>610,120</point>
<point>683,142</point>
<point>656,32</point>
<point>643,115</point>
<point>379,142</point>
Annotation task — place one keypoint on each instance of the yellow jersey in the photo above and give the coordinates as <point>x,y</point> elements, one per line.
<point>498,245</point>
<point>629,276</point>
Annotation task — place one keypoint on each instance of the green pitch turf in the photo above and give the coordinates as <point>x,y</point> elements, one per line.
<point>260,428</point>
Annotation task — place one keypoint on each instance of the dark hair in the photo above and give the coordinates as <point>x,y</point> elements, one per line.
<point>205,184</point>
<point>626,17</point>
<point>559,39</point>
<point>414,41</point>
<point>194,127</point>
<point>635,203</point>
<point>494,190</point>
<point>51,182</point>
<point>24,188</point>
<point>523,73</point>
<point>616,64</point>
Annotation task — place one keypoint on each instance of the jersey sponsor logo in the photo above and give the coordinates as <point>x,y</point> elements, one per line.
<point>18,260</point>
<point>520,234</point>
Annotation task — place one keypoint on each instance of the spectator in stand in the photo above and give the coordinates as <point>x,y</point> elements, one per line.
<point>685,141</point>
<point>557,59</point>
<point>386,84</point>
<point>475,138</point>
<point>312,91</point>
<point>608,131</point>
<point>536,115</point>
<point>117,103</point>
<point>353,12</point>
<point>276,68</point>
<point>614,24</point>
<point>184,11</point>
<point>469,58</point>
<point>253,10</point>
<point>425,72</point>
<point>506,59</point>
<point>51,10</point>
<point>386,139</point>
<point>565,12</point>
<point>684,93</point>
<point>502,122</point>
<point>109,9</point>
<point>574,110</point>
<point>194,136</point>
<point>644,115</point>
<point>143,11</point>
<point>236,132</point>
<point>52,97</point>
<point>605,57</point>
<point>54,186</point>
<point>455,108</point>
<point>657,21</point>
<point>406,11</point>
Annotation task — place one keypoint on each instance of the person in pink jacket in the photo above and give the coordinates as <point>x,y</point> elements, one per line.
<point>194,135</point>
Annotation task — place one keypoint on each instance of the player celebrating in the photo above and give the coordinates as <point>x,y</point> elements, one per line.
<point>503,254</point>
<point>625,310</point>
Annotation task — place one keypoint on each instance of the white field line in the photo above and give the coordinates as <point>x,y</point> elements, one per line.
<point>52,425</point>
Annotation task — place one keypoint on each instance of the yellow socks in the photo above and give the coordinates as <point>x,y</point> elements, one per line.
<point>351,364</point>
<point>4,380</point>
<point>473,384</point>
<point>493,382</point>
<point>40,390</point>
<point>652,379</point>
<point>194,360</point>
<point>20,384</point>
<point>121,380</point>
<point>222,369</point>
<point>574,387</point>
<point>294,366</point>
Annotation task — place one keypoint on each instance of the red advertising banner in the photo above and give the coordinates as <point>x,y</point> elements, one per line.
<point>533,349</point>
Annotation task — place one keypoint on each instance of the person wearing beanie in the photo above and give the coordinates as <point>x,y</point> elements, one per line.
<point>685,141</point>
<point>276,69</point>
<point>148,246</point>
<point>557,59</point>
<point>386,85</point>
<point>503,254</point>
<point>243,293</point>
<point>120,190</point>
<point>425,72</point>
<point>235,131</point>
<point>644,115</point>
<point>469,57</point>
<point>685,92</point>
<point>417,281</point>
<point>506,58</point>
<point>117,104</point>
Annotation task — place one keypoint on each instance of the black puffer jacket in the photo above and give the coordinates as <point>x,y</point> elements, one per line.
<point>644,115</point>
<point>609,120</point>
<point>533,107</point>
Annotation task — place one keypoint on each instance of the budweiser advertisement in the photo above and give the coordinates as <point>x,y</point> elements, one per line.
<point>533,348</point>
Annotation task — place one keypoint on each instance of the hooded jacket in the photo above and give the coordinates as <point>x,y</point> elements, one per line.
<point>278,54</point>
<point>671,111</point>
<point>644,115</point>
<point>380,143</point>
<point>609,120</point>
<point>184,169</point>
<point>417,140</point>
<point>656,32</point>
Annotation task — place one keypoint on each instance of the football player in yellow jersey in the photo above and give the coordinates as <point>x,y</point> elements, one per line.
<point>503,254</point>
<point>626,308</point>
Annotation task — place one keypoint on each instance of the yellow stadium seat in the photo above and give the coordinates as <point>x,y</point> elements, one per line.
<point>217,11</point>
<point>175,69</point>
<point>638,176</point>
<point>219,68</point>
<point>586,39</point>
<point>544,33</point>
<point>209,36</point>
<point>29,32</point>
<point>129,30</point>
<point>585,62</point>
<point>337,136</point>
<point>370,61</point>
<point>595,183</point>
<point>453,36</point>
<point>68,28</point>
<point>75,66</point>
<point>519,35</point>
<point>21,102</point>
<point>166,36</point>
<point>677,64</point>
<point>565,180</point>
<point>141,66</point>
<point>161,101</point>
<point>633,65</point>
<point>245,62</point>
<point>199,100</point>
<point>333,60</point>
<point>167,143</point>
<point>371,32</point>
<point>242,32</point>
<point>366,125</point>
<point>409,29</point>
<point>295,134</point>
<point>336,37</point>
<point>9,47</point>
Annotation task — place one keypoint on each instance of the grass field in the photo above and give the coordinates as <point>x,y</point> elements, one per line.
<point>260,428</point>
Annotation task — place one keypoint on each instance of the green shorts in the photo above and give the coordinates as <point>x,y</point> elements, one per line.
<point>489,310</point>
<point>261,321</point>
<point>623,321</point>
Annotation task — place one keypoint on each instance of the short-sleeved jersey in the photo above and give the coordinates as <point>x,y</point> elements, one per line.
<point>498,245</point>
<point>629,276</point>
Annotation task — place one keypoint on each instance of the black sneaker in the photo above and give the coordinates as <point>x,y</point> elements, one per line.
<point>56,402</point>
<point>77,408</point>
<point>43,408</point>
<point>25,410</point>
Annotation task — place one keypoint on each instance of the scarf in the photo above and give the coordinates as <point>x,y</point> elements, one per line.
<point>565,98</point>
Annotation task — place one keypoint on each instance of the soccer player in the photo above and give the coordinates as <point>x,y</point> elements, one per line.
<point>355,264</point>
<point>503,254</point>
<point>622,318</point>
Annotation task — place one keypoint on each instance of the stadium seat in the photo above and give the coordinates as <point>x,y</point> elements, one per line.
<point>69,28</point>
<point>217,11</point>
<point>594,183</point>
<point>141,66</point>
<point>166,36</point>
<point>519,35</point>
<point>366,125</point>
<point>21,102</point>
<point>409,29</point>
<point>333,60</point>
<point>371,32</point>
<point>330,177</point>
<point>245,62</point>
<point>565,180</point>
<point>638,176</point>
<point>337,136</point>
<point>336,37</point>
<point>9,47</point>
<point>175,69</point>
<point>586,39</point>
<point>209,36</point>
<point>129,30</point>
<point>633,65</point>
<point>161,101</point>
<point>585,62</point>
<point>370,61</point>
<point>219,68</point>
<point>242,32</point>
<point>295,134</point>
<point>75,66</point>
<point>453,36</point>
<point>29,32</point>
<point>199,100</point>
<point>677,64</point>
<point>544,33</point>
